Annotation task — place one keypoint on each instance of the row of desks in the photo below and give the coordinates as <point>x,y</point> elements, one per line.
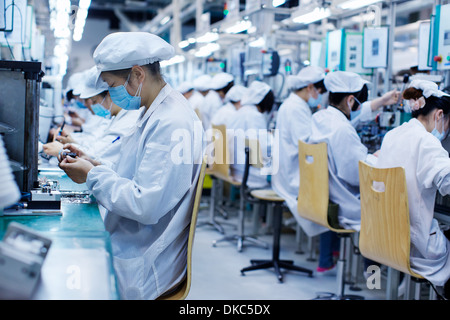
<point>79,264</point>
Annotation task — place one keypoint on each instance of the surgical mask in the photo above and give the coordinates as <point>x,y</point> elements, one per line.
<point>355,114</point>
<point>353,109</point>
<point>314,103</point>
<point>120,96</point>
<point>436,133</point>
<point>80,104</point>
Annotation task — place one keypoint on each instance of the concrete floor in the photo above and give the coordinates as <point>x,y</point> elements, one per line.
<point>216,270</point>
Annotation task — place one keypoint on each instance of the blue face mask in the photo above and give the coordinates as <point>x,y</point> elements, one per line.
<point>100,111</point>
<point>120,96</point>
<point>436,133</point>
<point>354,114</point>
<point>80,105</point>
<point>314,103</point>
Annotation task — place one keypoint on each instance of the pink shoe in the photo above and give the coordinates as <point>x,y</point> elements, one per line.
<point>331,271</point>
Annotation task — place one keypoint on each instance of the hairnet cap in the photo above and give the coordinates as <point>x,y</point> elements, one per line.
<point>221,80</point>
<point>185,87</point>
<point>236,93</point>
<point>306,76</point>
<point>92,87</point>
<point>256,93</point>
<point>428,88</point>
<point>123,50</point>
<point>203,83</point>
<point>344,82</point>
<point>79,84</point>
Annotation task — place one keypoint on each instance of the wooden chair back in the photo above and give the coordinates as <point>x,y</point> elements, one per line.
<point>183,289</point>
<point>385,227</point>
<point>313,194</point>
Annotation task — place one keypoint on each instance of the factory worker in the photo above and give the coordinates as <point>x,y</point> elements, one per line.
<point>249,122</point>
<point>202,86</point>
<point>345,149</point>
<point>416,146</point>
<point>149,192</point>
<point>294,124</point>
<point>232,101</point>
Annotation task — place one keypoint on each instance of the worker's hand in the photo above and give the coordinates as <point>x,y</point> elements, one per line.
<point>76,169</point>
<point>65,137</point>
<point>72,149</point>
<point>391,97</point>
<point>52,148</point>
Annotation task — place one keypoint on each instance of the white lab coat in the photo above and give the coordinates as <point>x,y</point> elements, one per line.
<point>293,123</point>
<point>224,115</point>
<point>149,196</point>
<point>249,123</point>
<point>93,128</point>
<point>427,169</point>
<point>213,103</point>
<point>345,150</point>
<point>106,148</point>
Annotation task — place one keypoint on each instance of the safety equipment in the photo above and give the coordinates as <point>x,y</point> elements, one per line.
<point>91,87</point>
<point>203,83</point>
<point>221,80</point>
<point>428,88</point>
<point>344,82</point>
<point>100,111</point>
<point>123,50</point>
<point>427,169</point>
<point>306,76</point>
<point>435,132</point>
<point>314,103</point>
<point>236,93</point>
<point>120,96</point>
<point>257,92</point>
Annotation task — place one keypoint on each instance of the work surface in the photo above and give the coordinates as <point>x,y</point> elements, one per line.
<point>79,262</point>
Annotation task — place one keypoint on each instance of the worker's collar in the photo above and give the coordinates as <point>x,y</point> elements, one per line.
<point>165,91</point>
<point>348,117</point>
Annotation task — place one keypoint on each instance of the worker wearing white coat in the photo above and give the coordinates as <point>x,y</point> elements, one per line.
<point>293,124</point>
<point>416,146</point>
<point>345,149</point>
<point>249,122</point>
<point>202,86</point>
<point>149,192</point>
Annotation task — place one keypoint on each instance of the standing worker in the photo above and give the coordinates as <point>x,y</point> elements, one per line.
<point>148,193</point>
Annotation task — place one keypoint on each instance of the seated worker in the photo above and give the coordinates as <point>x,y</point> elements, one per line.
<point>232,101</point>
<point>293,124</point>
<point>416,146</point>
<point>148,193</point>
<point>345,149</point>
<point>249,122</point>
<point>219,86</point>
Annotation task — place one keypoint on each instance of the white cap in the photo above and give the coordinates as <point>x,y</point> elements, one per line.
<point>257,92</point>
<point>429,88</point>
<point>236,93</point>
<point>221,80</point>
<point>91,87</point>
<point>123,50</point>
<point>74,81</point>
<point>185,87</point>
<point>344,82</point>
<point>80,83</point>
<point>306,76</point>
<point>203,83</point>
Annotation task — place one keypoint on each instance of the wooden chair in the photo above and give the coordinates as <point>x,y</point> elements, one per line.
<point>314,203</point>
<point>267,196</point>
<point>219,172</point>
<point>182,290</point>
<point>385,226</point>
<point>240,237</point>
